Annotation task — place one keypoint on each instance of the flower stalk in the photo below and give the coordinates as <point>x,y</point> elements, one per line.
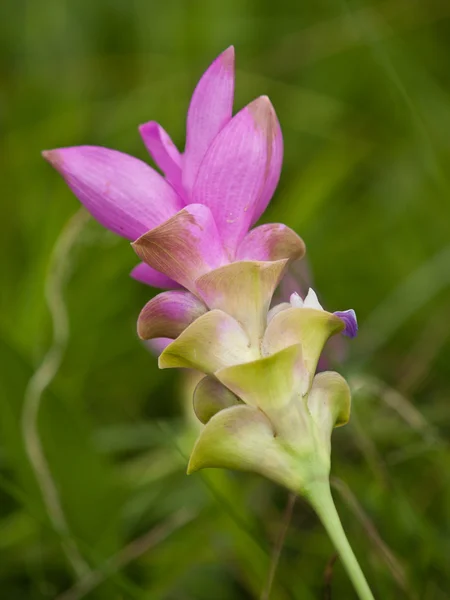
<point>319,496</point>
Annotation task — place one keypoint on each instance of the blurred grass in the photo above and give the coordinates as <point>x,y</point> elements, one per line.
<point>362,92</point>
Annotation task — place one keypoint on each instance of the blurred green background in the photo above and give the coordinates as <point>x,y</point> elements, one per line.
<point>362,91</point>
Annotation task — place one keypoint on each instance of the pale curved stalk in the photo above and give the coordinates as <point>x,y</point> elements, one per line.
<point>39,382</point>
<point>319,495</point>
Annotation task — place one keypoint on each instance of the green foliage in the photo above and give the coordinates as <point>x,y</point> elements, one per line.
<point>361,89</point>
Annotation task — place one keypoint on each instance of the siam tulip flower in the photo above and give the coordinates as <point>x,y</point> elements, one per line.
<point>263,405</point>
<point>215,191</point>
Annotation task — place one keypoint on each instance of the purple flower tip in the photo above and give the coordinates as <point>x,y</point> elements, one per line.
<point>350,322</point>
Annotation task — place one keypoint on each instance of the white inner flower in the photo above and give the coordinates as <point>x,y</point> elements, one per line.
<point>310,301</point>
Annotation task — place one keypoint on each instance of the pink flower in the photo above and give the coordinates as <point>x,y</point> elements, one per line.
<point>209,197</point>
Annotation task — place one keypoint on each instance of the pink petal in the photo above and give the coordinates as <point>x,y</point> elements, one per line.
<point>145,274</point>
<point>123,193</point>
<point>184,247</point>
<point>168,314</point>
<point>272,241</point>
<point>210,109</point>
<point>274,164</point>
<point>163,151</point>
<point>235,170</point>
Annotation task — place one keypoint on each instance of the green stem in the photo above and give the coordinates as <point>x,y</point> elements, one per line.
<point>321,499</point>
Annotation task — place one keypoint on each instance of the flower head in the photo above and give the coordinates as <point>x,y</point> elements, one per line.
<point>209,196</point>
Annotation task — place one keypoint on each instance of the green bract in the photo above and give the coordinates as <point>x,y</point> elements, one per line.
<point>263,409</point>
